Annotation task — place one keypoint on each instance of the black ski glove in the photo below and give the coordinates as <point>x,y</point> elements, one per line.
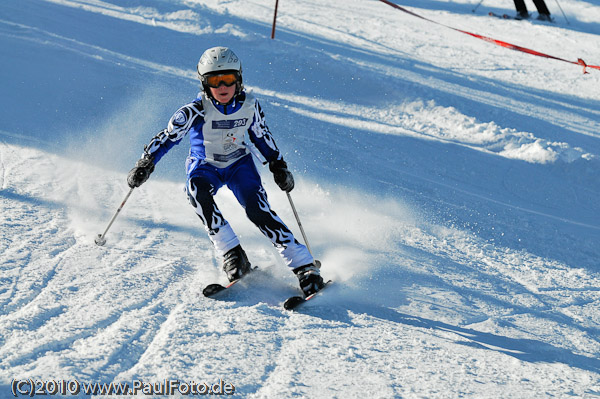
<point>283,177</point>
<point>141,171</point>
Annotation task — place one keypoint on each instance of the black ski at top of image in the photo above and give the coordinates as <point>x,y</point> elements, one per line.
<point>518,17</point>
<point>503,16</point>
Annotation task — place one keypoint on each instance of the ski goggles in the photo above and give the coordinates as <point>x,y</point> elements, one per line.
<point>228,79</point>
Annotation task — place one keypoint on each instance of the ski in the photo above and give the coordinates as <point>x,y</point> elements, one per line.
<point>521,18</point>
<point>295,301</point>
<point>213,289</point>
<point>503,16</point>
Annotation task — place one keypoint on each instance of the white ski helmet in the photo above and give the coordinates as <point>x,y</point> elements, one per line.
<point>219,60</point>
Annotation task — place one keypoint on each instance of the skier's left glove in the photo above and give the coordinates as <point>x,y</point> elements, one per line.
<point>283,177</point>
<point>141,171</point>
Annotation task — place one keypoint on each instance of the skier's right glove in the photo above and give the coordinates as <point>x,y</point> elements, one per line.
<point>141,171</point>
<point>283,177</point>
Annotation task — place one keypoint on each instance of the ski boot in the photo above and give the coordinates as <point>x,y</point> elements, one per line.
<point>545,17</point>
<point>310,279</point>
<point>235,263</point>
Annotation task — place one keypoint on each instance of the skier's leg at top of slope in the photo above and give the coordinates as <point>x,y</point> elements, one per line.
<point>544,13</point>
<point>522,12</point>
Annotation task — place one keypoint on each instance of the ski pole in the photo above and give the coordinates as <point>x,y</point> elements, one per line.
<point>563,13</point>
<point>317,263</point>
<point>477,6</point>
<point>100,240</point>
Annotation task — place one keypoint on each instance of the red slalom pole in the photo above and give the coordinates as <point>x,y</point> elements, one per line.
<point>274,19</point>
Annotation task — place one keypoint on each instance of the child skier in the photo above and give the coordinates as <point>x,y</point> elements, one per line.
<point>220,121</point>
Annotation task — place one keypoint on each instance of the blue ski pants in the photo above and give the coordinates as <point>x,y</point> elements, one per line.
<point>243,179</point>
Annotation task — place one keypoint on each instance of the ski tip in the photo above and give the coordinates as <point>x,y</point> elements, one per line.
<point>293,302</point>
<point>212,289</point>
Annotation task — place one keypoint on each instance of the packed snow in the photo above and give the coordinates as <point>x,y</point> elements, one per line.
<point>450,188</point>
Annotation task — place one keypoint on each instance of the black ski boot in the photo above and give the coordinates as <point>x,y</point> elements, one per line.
<point>235,263</point>
<point>545,17</point>
<point>310,279</point>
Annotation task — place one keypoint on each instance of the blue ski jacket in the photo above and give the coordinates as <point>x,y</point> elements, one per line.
<point>219,134</point>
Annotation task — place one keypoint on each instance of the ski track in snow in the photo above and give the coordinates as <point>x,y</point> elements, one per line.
<point>449,282</point>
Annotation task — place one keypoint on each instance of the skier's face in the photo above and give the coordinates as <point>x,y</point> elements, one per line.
<point>223,94</point>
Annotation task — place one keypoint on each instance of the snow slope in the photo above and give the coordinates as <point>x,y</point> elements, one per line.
<point>450,187</point>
